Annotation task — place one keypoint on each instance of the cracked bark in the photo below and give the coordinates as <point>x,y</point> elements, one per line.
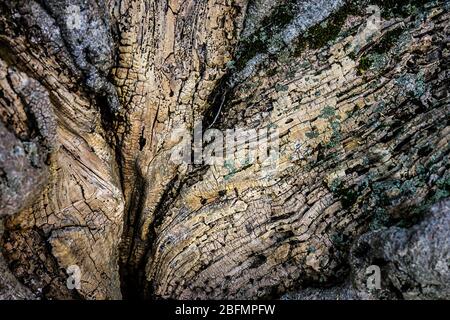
<point>88,113</point>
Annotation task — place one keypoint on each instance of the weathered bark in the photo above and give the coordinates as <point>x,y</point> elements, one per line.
<point>92,93</point>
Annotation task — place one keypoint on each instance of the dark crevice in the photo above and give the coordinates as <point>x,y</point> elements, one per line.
<point>129,280</point>
<point>132,271</point>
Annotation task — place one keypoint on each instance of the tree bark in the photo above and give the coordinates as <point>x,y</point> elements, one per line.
<point>96,95</point>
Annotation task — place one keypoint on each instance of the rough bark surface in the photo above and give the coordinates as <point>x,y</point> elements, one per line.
<point>92,92</point>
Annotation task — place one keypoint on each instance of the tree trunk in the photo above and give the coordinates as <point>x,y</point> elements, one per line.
<point>101,107</point>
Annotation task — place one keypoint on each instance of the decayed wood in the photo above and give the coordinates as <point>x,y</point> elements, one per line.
<point>98,89</point>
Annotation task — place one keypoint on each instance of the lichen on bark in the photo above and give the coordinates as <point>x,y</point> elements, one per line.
<point>92,93</point>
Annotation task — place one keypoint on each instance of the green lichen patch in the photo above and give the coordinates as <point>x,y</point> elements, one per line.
<point>281,87</point>
<point>364,64</point>
<point>388,40</point>
<point>334,123</point>
<point>336,136</point>
<point>375,58</point>
<point>412,84</point>
<point>321,34</point>
<point>312,134</point>
<point>327,112</point>
<point>398,8</point>
<point>347,195</point>
<point>324,33</point>
<point>442,189</point>
<point>380,219</point>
